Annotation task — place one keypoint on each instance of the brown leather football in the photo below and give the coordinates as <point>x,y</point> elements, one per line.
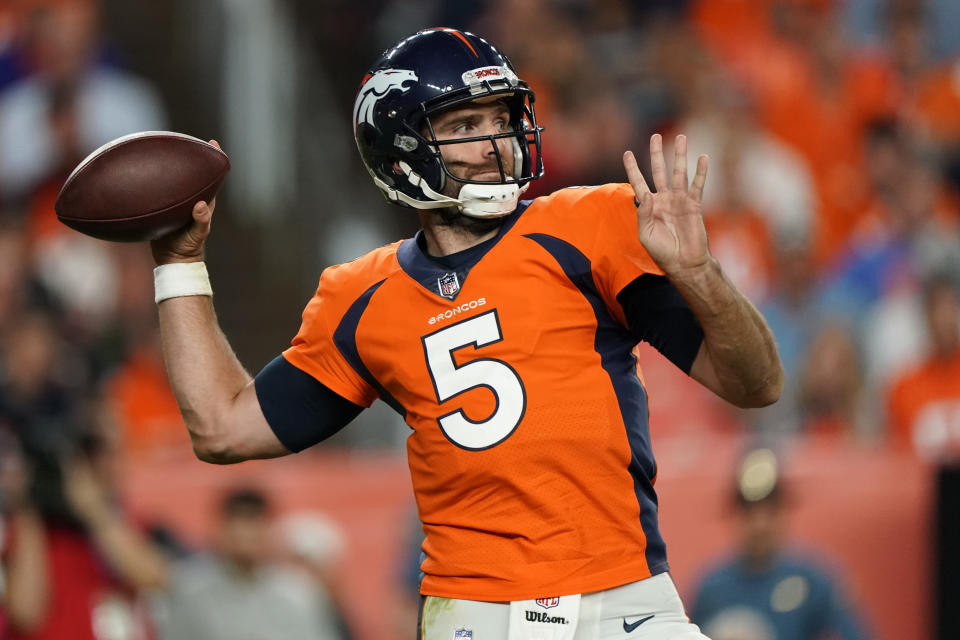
<point>141,186</point>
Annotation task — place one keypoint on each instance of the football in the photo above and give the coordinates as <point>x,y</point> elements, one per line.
<point>141,186</point>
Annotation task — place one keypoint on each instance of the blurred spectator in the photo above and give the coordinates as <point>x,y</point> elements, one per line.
<point>35,138</point>
<point>238,592</point>
<point>816,94</point>
<point>793,309</point>
<point>937,101</point>
<point>68,105</point>
<point>909,229</point>
<point>41,385</point>
<point>14,274</point>
<point>751,170</point>
<point>740,236</point>
<point>765,592</point>
<point>136,384</point>
<point>12,63</point>
<point>736,31</point>
<point>316,544</point>
<point>795,313</point>
<point>140,397</point>
<point>868,22</point>
<point>934,115</point>
<point>74,566</point>
<point>830,394</point>
<point>924,404</point>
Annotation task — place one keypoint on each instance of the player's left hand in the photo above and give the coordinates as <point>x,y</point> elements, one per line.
<point>670,221</point>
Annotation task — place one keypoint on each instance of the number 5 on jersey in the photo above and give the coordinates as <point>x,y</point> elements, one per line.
<point>450,380</point>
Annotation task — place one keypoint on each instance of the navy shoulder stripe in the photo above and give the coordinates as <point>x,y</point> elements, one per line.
<point>614,344</point>
<point>345,338</point>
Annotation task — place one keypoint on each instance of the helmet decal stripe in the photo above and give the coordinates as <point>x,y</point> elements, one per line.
<point>463,38</point>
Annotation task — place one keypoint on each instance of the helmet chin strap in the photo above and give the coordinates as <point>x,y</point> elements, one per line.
<point>475,200</point>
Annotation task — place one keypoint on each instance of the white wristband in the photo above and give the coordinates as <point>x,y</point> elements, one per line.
<point>179,279</point>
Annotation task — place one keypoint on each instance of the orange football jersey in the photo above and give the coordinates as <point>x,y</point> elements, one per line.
<point>530,451</point>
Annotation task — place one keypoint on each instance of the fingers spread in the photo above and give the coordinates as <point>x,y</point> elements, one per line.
<point>635,177</point>
<point>657,164</point>
<point>699,179</point>
<point>644,211</point>
<point>680,163</point>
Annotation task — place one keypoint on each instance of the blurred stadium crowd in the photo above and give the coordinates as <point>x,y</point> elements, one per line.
<point>833,128</point>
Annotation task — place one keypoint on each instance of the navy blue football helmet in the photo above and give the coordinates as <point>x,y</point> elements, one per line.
<point>427,73</point>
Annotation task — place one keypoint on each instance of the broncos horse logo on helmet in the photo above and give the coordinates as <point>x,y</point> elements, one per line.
<point>379,84</point>
<point>422,75</point>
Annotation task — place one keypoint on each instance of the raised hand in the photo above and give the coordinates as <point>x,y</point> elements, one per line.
<point>187,244</point>
<point>670,221</point>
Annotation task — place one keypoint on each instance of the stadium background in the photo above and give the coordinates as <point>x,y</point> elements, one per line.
<point>834,134</point>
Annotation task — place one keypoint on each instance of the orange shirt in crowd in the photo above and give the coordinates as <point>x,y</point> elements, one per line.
<point>743,243</point>
<point>825,122</point>
<point>937,102</point>
<point>828,130</point>
<point>924,409</point>
<point>145,407</point>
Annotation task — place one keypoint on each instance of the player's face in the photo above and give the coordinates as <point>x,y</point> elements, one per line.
<point>474,160</point>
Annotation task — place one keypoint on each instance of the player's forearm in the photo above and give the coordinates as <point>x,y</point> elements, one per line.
<point>205,374</point>
<point>737,340</point>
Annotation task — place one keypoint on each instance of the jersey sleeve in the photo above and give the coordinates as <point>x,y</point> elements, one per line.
<point>635,289</point>
<point>314,351</point>
<point>617,256</point>
<point>300,410</point>
<point>657,314</point>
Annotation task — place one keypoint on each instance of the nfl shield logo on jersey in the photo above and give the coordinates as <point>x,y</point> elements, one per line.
<point>547,603</point>
<point>449,285</point>
<point>463,634</point>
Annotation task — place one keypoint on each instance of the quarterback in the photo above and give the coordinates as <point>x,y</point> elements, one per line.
<point>503,333</point>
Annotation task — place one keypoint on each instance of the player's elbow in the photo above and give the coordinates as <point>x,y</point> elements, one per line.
<point>211,437</point>
<point>214,446</point>
<point>215,452</point>
<point>767,392</point>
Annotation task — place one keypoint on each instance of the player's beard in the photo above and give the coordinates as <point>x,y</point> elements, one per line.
<point>455,219</point>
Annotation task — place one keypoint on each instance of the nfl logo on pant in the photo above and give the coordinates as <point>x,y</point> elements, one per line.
<point>463,634</point>
<point>548,603</point>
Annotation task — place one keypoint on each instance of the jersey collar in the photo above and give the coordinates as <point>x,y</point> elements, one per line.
<point>445,276</point>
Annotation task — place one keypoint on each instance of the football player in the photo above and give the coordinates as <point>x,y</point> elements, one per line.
<point>503,334</point>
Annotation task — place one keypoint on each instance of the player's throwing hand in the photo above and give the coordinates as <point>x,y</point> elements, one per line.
<point>670,222</point>
<point>187,245</point>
